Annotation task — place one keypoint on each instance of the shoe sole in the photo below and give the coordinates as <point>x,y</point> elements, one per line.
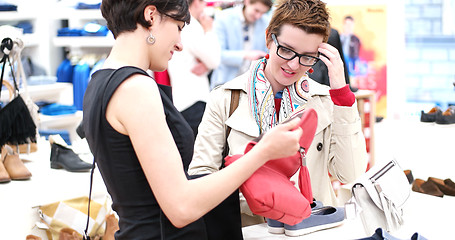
<point>5,180</point>
<point>276,230</point>
<point>21,178</point>
<point>300,232</point>
<point>62,166</point>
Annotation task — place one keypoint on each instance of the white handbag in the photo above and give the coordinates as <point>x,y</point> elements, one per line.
<point>379,196</point>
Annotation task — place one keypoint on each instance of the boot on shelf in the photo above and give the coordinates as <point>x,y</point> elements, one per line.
<point>4,176</point>
<point>64,157</point>
<point>14,165</point>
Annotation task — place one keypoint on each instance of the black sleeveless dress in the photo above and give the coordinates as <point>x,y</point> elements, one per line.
<point>140,216</point>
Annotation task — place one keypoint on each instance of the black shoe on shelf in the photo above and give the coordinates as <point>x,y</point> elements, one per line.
<point>63,157</point>
<point>431,115</point>
<point>447,117</point>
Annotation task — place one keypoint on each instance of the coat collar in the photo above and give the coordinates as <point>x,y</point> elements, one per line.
<point>241,83</point>
<point>242,119</point>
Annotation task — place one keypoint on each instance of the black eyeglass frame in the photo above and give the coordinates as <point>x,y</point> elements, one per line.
<point>278,46</point>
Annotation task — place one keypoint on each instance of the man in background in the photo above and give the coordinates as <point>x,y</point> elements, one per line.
<point>241,34</point>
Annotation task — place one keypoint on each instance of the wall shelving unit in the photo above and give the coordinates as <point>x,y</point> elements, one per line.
<point>48,50</point>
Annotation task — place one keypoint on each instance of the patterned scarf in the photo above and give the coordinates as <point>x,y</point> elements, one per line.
<point>261,98</point>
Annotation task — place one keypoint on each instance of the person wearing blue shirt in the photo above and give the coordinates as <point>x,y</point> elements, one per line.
<point>241,34</point>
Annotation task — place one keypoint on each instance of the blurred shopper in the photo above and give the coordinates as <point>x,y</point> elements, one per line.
<point>241,32</point>
<point>188,70</point>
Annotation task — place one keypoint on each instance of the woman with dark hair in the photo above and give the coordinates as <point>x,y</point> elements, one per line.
<point>142,144</point>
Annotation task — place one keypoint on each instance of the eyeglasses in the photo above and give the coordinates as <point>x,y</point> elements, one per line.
<point>289,54</point>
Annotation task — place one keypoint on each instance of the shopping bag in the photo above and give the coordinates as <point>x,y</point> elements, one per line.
<point>72,214</point>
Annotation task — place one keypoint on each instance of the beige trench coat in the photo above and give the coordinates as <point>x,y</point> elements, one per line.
<point>338,147</point>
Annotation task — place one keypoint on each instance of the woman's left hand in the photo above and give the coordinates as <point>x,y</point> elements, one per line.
<point>331,57</point>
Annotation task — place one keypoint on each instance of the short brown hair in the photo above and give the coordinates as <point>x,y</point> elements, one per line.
<point>309,15</point>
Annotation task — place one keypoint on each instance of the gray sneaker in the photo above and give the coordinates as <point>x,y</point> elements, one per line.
<point>277,227</point>
<point>322,218</point>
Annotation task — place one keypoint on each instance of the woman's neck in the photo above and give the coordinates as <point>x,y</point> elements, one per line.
<point>128,51</point>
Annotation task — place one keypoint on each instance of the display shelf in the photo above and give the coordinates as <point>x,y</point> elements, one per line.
<point>60,121</point>
<point>68,122</point>
<point>92,42</point>
<point>10,17</point>
<point>37,44</point>
<point>77,18</point>
<point>17,15</point>
<point>47,92</point>
<point>82,14</point>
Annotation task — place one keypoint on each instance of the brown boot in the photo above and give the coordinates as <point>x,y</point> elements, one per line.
<point>445,188</point>
<point>426,187</point>
<point>4,176</point>
<point>14,165</point>
<point>111,227</point>
<point>449,183</point>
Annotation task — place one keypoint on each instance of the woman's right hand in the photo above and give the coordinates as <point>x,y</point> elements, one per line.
<point>281,141</point>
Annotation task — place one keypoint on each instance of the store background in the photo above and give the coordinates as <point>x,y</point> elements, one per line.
<point>367,66</point>
<point>420,55</point>
<point>420,74</point>
<point>430,55</point>
<point>420,48</point>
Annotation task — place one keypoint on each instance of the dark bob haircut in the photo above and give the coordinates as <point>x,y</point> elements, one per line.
<point>124,15</point>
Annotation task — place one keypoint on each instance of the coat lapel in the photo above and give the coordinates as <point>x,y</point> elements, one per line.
<point>241,119</point>
<point>324,116</point>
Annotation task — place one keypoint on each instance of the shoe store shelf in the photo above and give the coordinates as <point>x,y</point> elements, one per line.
<point>46,92</point>
<point>50,92</point>
<point>17,15</point>
<point>38,45</point>
<point>88,42</point>
<point>85,14</point>
<point>67,121</point>
<point>76,19</point>
<point>12,17</point>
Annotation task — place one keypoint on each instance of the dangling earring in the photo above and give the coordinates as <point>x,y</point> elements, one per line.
<point>311,70</point>
<point>151,39</point>
<point>267,56</point>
